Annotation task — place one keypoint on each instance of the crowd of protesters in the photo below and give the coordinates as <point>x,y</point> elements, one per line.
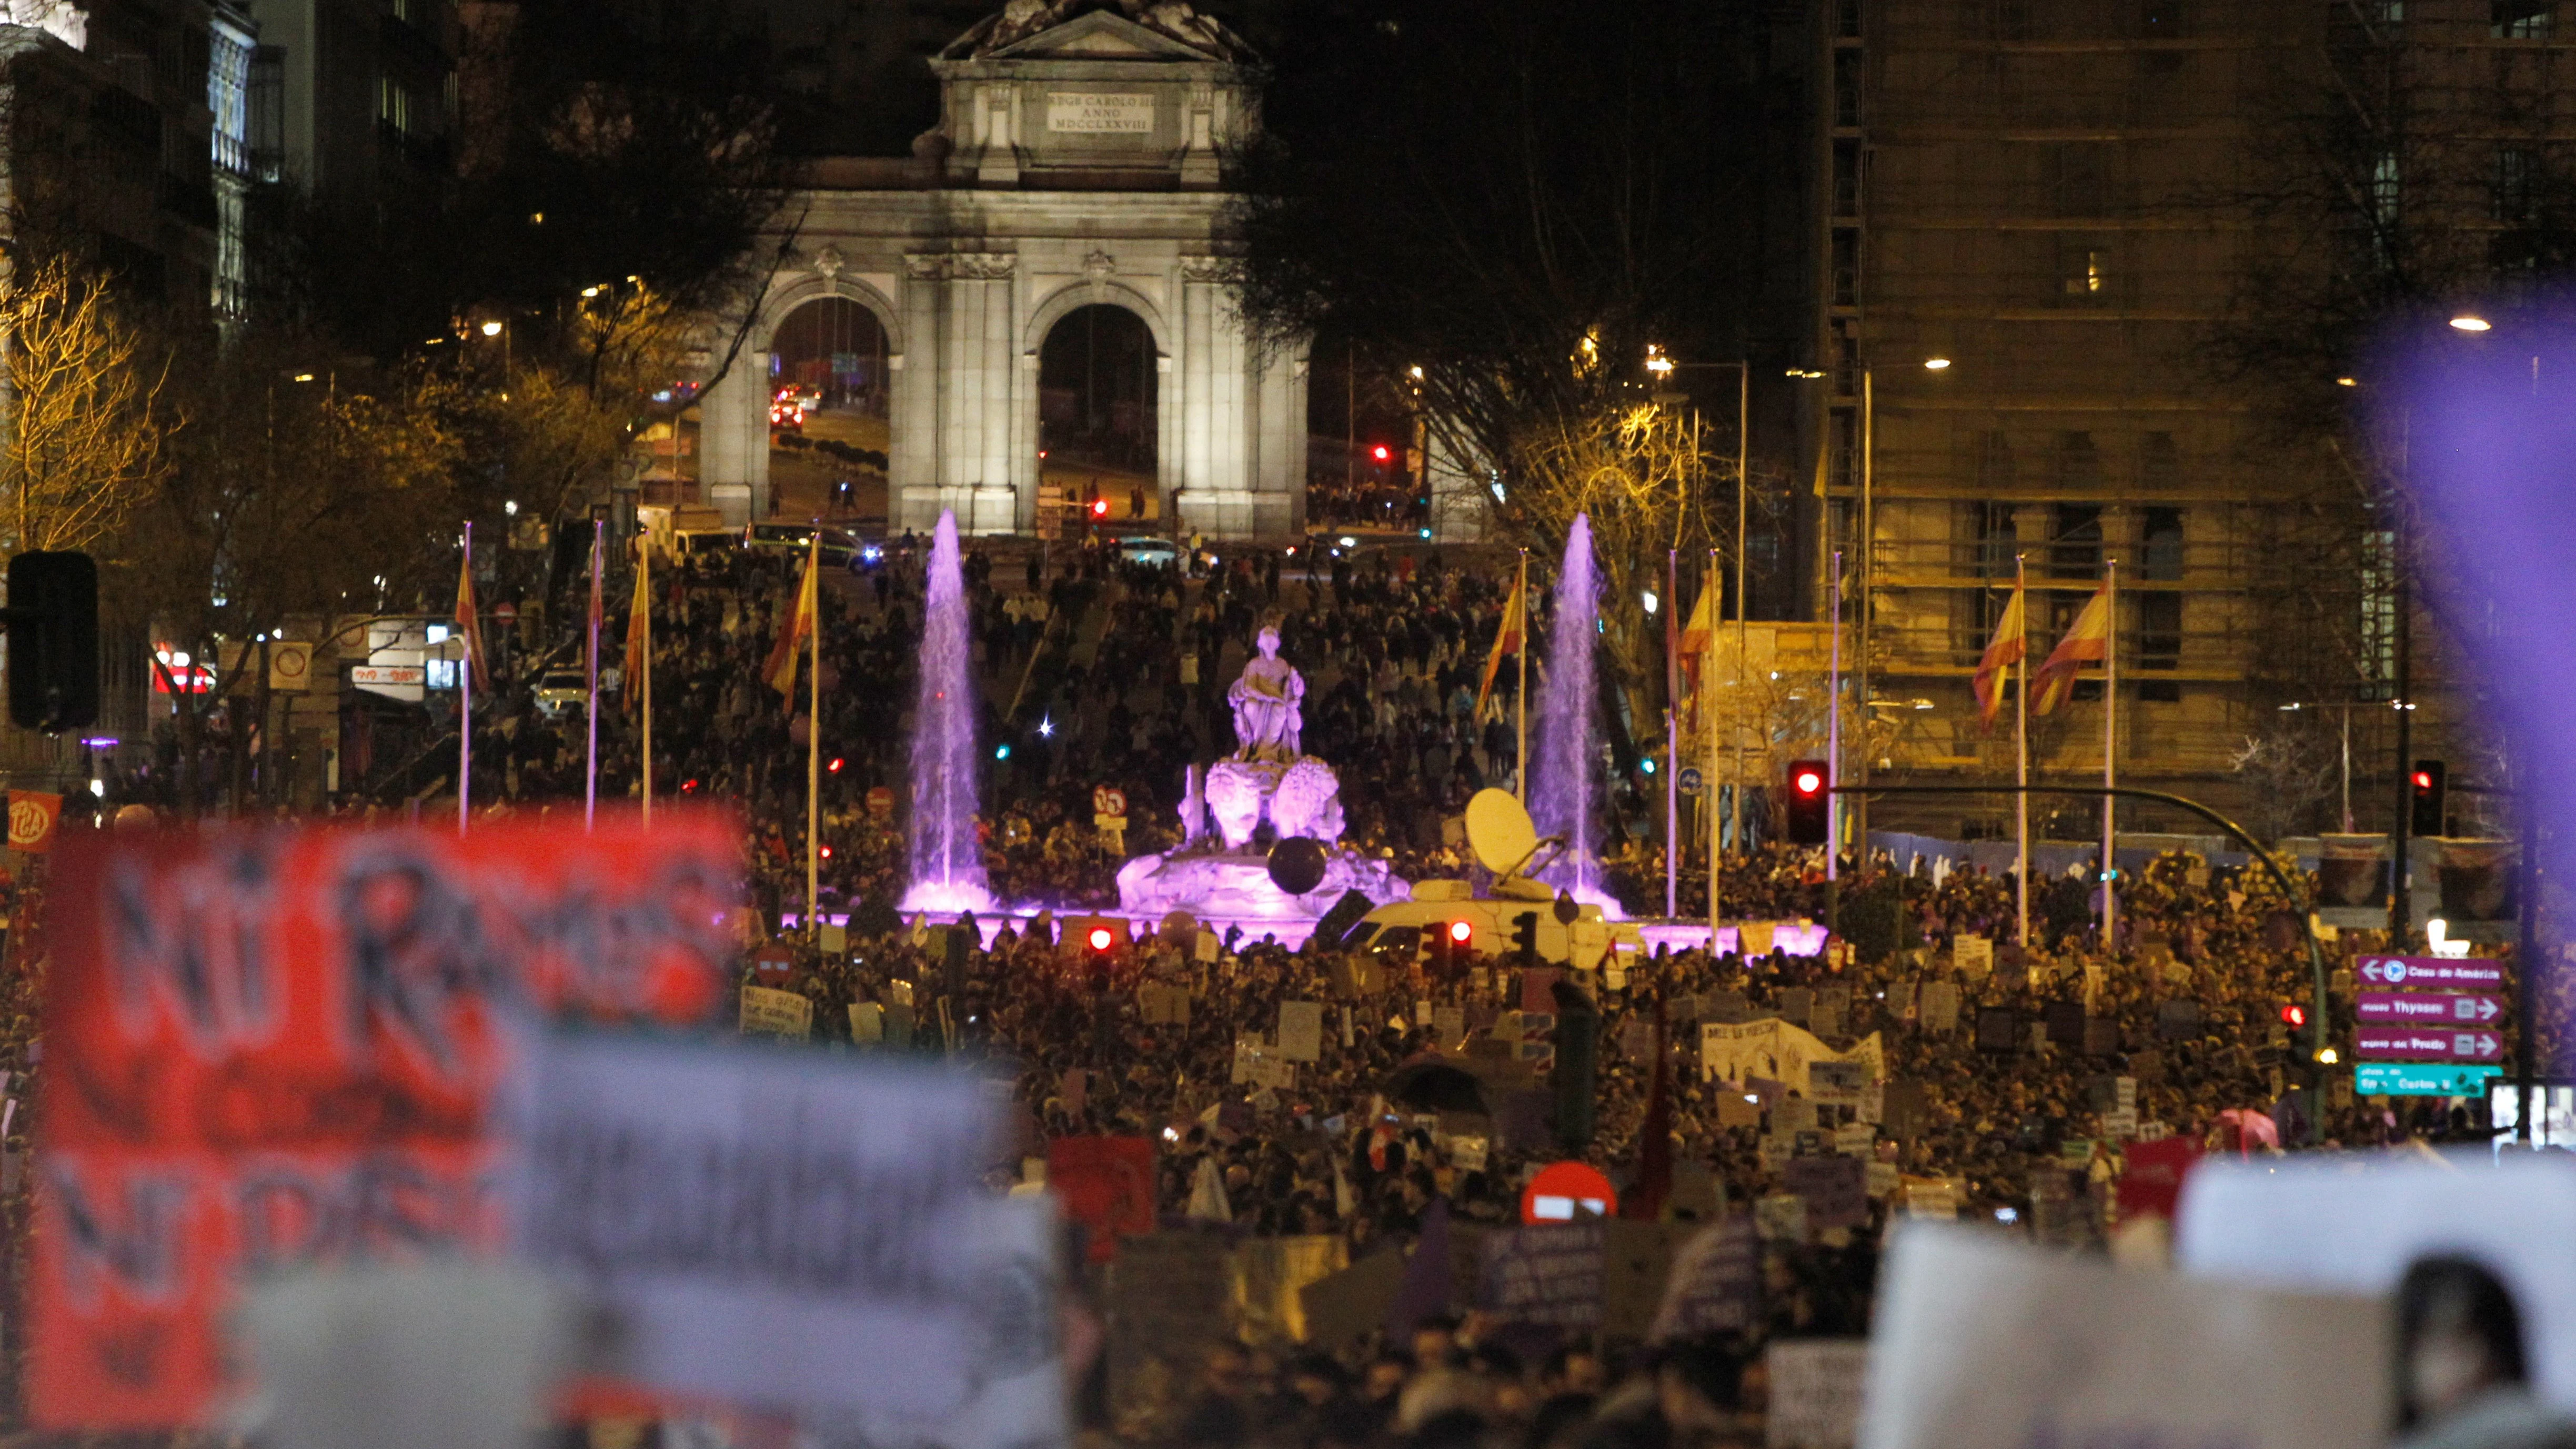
<point>2016,1080</point>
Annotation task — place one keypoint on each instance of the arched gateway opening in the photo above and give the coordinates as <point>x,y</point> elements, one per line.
<point>1098,390</point>
<point>830,394</point>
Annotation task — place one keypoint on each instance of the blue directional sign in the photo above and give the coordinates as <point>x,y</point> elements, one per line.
<point>2421,1079</point>
<point>1689,781</point>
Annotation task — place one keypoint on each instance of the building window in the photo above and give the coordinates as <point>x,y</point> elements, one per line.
<point>2083,273</point>
<point>228,96</point>
<point>2160,544</point>
<point>2079,178</point>
<point>1846,268</point>
<point>2379,615</point>
<point>2159,630</point>
<point>2384,189</point>
<point>2159,461</point>
<point>2521,19</point>
<point>2079,463</point>
<point>1847,80</point>
<point>2074,540</point>
<point>1994,462</point>
<point>1992,539</point>
<point>2517,183</point>
<point>393,104</point>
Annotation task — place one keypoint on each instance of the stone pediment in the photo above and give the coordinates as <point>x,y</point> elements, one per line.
<point>1094,30</point>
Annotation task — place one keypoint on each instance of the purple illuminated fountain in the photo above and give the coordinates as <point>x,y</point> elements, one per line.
<point>947,861</point>
<point>1566,787</point>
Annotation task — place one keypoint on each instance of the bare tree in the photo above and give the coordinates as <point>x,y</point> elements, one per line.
<point>80,438</point>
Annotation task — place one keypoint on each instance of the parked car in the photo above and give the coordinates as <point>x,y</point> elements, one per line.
<point>839,549</point>
<point>1146,549</point>
<point>562,689</point>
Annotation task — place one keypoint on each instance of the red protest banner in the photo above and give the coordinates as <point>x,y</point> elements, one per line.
<point>1106,1184</point>
<point>2153,1182</point>
<point>32,814</point>
<point>268,1047</point>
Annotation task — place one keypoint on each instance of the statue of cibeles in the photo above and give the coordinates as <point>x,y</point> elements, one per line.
<point>1266,700</point>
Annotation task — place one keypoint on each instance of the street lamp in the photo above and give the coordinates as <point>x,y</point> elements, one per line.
<point>2470,322</point>
<point>491,329</point>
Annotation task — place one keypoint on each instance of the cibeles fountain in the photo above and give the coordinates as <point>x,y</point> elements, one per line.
<point>1268,787</point>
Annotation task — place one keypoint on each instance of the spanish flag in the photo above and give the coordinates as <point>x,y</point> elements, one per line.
<point>469,623</point>
<point>2007,649</point>
<point>798,627</point>
<point>1507,640</point>
<point>1694,650</point>
<point>2088,641</point>
<point>639,630</point>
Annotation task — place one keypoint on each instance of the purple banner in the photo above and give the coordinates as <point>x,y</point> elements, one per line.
<point>2417,1008</point>
<point>2427,1044</point>
<point>2434,973</point>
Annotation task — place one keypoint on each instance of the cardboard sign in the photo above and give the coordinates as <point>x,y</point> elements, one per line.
<point>1301,1030</point>
<point>1973,955</point>
<point>1833,1188</point>
<point>2120,1355</point>
<point>867,1023</point>
<point>1106,1184</point>
<point>1940,1009</point>
<point>252,1033</point>
<point>776,1013</point>
<point>32,815</point>
<point>1341,1309</point>
<point>1780,1217</point>
<point>1815,1392</point>
<point>886,1293</point>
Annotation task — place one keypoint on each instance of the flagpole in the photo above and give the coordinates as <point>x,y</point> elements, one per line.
<point>813,742</point>
<point>1834,743</point>
<point>1672,740</point>
<point>644,621</point>
<point>2110,750</point>
<point>1708,777</point>
<point>465,705</point>
<point>1520,700</point>
<point>590,762</point>
<point>2021,762</point>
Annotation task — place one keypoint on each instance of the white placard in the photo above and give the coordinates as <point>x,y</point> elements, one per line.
<point>1815,1392</point>
<point>1981,1341</point>
<point>884,1294</point>
<point>1100,113</point>
<point>1301,1030</point>
<point>2351,1223</point>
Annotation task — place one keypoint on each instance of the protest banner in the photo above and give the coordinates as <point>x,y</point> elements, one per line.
<point>1301,1030</point>
<point>32,818</point>
<point>253,1033</point>
<point>886,1295</point>
<point>1715,1284</point>
<point>2152,1185</point>
<point>1636,1259</point>
<point>1549,1274</point>
<point>1815,1392</point>
<point>1107,1185</point>
<point>1774,1048</point>
<point>1980,1341</point>
<point>2352,1225</point>
<point>1940,1008</point>
<point>1168,1294</point>
<point>1268,1278</point>
<point>776,1013</point>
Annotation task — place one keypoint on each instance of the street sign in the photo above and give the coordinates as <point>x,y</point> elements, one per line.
<point>2434,973</point>
<point>2376,1079</point>
<point>880,801</point>
<point>1689,780</point>
<point>290,667</point>
<point>1108,800</point>
<point>2427,1044</point>
<point>2426,1009</point>
<point>365,675</point>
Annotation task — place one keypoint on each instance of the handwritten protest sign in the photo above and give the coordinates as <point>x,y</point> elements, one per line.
<point>884,1293</point>
<point>1831,1187</point>
<point>271,1047</point>
<point>776,1013</point>
<point>1301,1030</point>
<point>1980,1342</point>
<point>1548,1274</point>
<point>1715,1285</point>
<point>1774,1048</point>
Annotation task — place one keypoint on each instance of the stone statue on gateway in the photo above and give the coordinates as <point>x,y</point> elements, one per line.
<point>1267,700</point>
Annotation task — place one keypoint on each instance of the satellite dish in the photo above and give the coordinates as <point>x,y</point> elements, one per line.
<point>1297,864</point>
<point>1499,831</point>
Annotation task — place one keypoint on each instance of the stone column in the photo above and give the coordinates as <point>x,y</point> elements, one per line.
<point>733,440</point>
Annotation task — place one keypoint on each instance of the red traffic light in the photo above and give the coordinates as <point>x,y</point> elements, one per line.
<point>1100,508</point>
<point>2423,779</point>
<point>1809,781</point>
<point>833,767</point>
<point>2294,1014</point>
<point>1381,453</point>
<point>1461,932</point>
<point>1101,938</point>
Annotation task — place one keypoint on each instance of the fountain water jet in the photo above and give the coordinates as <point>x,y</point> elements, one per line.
<point>947,859</point>
<point>1566,794</point>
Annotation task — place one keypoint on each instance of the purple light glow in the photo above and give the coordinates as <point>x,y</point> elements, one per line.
<point>1565,793</point>
<point>947,861</point>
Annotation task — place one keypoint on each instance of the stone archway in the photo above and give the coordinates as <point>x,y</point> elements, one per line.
<point>1098,397</point>
<point>830,361</point>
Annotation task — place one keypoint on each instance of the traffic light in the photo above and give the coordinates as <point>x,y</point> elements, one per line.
<point>1462,935</point>
<point>1525,937</point>
<point>1380,453</point>
<point>1100,508</point>
<point>53,641</point>
<point>2426,789</point>
<point>1808,803</point>
<point>1101,940</point>
<point>2293,1014</point>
